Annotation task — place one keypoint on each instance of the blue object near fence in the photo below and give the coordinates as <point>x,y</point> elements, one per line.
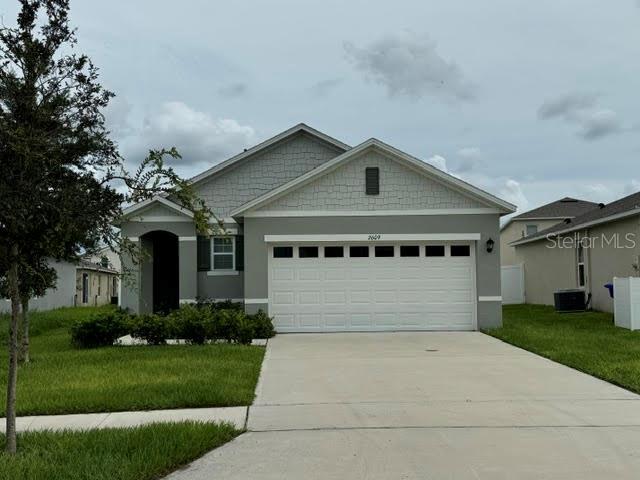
<point>609,286</point>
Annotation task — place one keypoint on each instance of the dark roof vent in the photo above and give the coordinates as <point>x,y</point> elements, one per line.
<point>601,205</point>
<point>567,220</point>
<point>568,200</point>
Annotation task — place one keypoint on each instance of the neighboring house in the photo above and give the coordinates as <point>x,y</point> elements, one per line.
<point>536,220</point>
<point>95,285</point>
<point>106,258</point>
<point>61,296</point>
<point>585,252</point>
<point>326,237</point>
<point>84,284</point>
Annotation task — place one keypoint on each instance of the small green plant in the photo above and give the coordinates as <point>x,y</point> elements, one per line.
<point>152,328</point>
<point>244,330</point>
<point>100,329</point>
<point>191,323</point>
<point>262,325</point>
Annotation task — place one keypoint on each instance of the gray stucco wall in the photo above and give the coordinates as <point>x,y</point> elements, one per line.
<point>400,188</point>
<point>550,269</point>
<point>221,287</point>
<point>488,264</point>
<point>264,171</point>
<point>606,260</point>
<point>61,296</point>
<point>546,270</point>
<point>513,232</point>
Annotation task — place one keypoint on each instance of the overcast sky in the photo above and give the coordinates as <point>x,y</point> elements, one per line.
<point>531,100</point>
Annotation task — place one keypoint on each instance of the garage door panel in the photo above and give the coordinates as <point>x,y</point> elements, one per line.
<point>373,293</point>
<point>335,320</point>
<point>360,297</point>
<point>335,297</point>
<point>309,298</point>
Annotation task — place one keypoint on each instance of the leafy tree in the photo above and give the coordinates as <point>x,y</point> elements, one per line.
<point>63,180</point>
<point>34,281</point>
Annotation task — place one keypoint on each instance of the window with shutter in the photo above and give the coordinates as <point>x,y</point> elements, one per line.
<point>372,179</point>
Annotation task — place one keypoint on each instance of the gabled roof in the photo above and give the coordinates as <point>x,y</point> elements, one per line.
<point>625,207</point>
<point>129,211</point>
<point>301,127</point>
<point>566,207</point>
<point>391,152</point>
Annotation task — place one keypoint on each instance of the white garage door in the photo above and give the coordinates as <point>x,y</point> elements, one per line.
<point>367,287</point>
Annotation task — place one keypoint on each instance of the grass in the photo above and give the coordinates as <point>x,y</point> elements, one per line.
<point>62,379</point>
<point>140,453</point>
<point>588,341</point>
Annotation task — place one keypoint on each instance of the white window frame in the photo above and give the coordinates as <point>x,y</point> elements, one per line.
<point>526,229</point>
<point>580,263</point>
<point>223,271</point>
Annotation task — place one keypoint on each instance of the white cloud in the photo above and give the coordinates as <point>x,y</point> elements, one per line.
<point>198,136</point>
<point>582,110</point>
<point>439,162</point>
<point>470,152</point>
<point>469,159</point>
<point>410,65</point>
<point>634,185</point>
<point>117,117</point>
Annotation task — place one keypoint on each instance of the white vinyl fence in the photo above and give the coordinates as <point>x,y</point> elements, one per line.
<point>512,278</point>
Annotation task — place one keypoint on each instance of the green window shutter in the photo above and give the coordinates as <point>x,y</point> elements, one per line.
<point>240,253</point>
<point>204,254</point>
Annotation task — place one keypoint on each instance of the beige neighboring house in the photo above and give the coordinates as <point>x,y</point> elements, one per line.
<point>534,221</point>
<point>96,284</point>
<point>585,252</point>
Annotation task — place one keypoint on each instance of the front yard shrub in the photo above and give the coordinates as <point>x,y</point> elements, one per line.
<point>244,329</point>
<point>197,324</point>
<point>100,329</point>
<point>150,327</point>
<point>191,323</point>
<point>226,324</point>
<point>262,325</point>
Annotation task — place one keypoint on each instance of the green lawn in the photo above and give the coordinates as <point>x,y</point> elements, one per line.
<point>141,453</point>
<point>62,379</point>
<point>587,341</point>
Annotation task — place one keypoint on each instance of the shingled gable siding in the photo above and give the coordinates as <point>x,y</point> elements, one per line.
<point>345,189</point>
<point>264,171</point>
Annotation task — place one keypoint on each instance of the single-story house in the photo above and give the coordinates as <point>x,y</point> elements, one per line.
<point>584,252</point>
<point>96,284</point>
<point>83,284</point>
<point>61,296</point>
<point>534,221</point>
<point>326,237</point>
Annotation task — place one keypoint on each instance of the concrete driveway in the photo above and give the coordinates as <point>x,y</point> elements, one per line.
<point>426,406</point>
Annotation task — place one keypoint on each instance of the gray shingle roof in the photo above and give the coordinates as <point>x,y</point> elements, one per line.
<point>628,204</point>
<point>566,207</point>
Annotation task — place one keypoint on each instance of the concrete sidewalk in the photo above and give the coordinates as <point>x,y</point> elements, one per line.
<point>235,415</point>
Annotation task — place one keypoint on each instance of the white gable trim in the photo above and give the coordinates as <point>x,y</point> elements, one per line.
<point>409,161</point>
<point>301,127</point>
<point>129,211</point>
<point>369,213</point>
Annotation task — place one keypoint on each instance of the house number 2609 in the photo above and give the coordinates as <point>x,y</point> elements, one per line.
<point>375,236</point>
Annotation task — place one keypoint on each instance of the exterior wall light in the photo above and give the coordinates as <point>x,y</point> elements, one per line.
<point>490,244</point>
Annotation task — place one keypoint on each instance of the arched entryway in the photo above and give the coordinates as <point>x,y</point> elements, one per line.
<point>160,271</point>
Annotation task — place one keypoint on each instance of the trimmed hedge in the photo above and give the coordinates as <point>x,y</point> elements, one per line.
<point>197,324</point>
<point>100,329</point>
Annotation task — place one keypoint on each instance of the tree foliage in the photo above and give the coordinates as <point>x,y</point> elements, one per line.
<point>64,182</point>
